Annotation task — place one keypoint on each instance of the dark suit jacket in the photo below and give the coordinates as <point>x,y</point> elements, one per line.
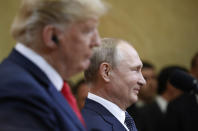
<point>182,114</point>
<point>98,118</point>
<point>29,101</point>
<point>133,110</point>
<point>150,118</point>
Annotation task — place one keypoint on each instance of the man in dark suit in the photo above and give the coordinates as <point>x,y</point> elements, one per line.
<point>152,116</point>
<point>182,113</point>
<point>115,79</point>
<point>55,40</point>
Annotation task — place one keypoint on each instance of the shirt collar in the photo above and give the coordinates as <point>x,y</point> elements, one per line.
<point>111,107</point>
<point>38,60</point>
<point>162,103</point>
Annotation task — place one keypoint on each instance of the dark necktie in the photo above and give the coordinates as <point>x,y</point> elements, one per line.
<point>72,101</point>
<point>129,122</point>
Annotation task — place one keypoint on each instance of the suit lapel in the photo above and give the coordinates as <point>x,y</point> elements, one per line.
<point>106,115</point>
<point>39,75</point>
<point>60,100</point>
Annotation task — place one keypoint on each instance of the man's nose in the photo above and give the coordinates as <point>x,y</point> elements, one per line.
<point>142,81</point>
<point>96,41</point>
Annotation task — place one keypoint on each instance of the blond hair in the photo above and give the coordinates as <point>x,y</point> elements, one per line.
<point>35,14</point>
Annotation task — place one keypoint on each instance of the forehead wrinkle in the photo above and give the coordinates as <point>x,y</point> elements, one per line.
<point>127,53</point>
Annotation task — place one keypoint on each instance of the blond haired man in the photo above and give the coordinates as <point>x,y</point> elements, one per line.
<point>54,41</point>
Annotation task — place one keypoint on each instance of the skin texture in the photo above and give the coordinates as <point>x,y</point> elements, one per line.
<point>120,84</point>
<point>127,78</point>
<point>74,48</point>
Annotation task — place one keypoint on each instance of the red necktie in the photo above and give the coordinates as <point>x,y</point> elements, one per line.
<point>72,101</point>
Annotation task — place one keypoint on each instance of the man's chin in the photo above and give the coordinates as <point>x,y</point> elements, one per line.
<point>134,99</point>
<point>85,64</point>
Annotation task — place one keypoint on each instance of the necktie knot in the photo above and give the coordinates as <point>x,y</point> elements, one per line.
<point>66,91</point>
<point>129,122</point>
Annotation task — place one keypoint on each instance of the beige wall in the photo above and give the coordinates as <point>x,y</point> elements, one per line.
<point>163,31</point>
<point>8,10</point>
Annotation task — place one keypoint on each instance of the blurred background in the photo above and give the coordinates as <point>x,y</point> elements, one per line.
<point>164,32</point>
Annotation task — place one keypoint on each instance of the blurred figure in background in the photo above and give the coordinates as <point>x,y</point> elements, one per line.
<point>194,66</point>
<point>54,42</point>
<point>182,113</point>
<point>166,91</point>
<point>115,78</point>
<point>148,92</point>
<point>80,90</point>
<point>151,117</point>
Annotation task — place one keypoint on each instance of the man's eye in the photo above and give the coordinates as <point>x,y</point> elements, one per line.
<point>88,30</point>
<point>134,69</point>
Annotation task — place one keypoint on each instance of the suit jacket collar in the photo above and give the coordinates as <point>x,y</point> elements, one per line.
<point>30,67</point>
<point>39,75</point>
<point>40,62</point>
<point>60,100</point>
<point>106,115</point>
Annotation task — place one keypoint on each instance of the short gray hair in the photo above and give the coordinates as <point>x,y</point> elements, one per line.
<point>35,14</point>
<point>106,52</point>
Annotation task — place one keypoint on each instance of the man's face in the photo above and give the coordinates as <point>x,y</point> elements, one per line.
<point>149,90</point>
<point>76,45</point>
<point>127,78</point>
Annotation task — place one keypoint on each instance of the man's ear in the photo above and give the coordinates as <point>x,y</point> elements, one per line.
<point>50,36</point>
<point>104,71</point>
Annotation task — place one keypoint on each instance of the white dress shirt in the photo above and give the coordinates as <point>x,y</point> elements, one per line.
<point>162,103</point>
<point>111,107</point>
<point>35,58</point>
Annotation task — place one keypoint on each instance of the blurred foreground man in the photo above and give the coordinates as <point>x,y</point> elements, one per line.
<point>115,79</point>
<point>54,41</point>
